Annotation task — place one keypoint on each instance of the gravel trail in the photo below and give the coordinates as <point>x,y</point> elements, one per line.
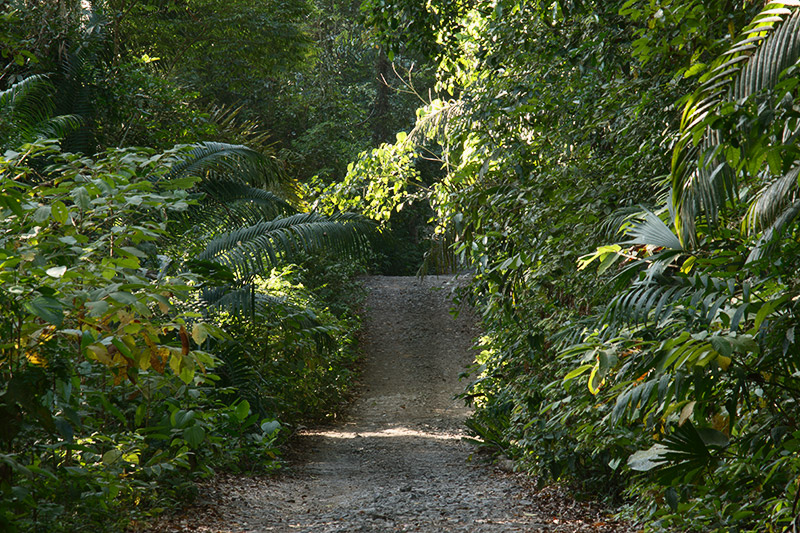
<point>398,461</point>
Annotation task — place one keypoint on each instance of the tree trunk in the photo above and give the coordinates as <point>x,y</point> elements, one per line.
<point>381,130</point>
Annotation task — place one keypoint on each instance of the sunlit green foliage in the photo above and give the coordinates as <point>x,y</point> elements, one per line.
<point>116,388</point>
<point>673,374</point>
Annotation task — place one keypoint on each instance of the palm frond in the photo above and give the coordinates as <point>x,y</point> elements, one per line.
<point>242,301</point>
<point>767,241</point>
<point>227,204</point>
<point>230,123</point>
<point>614,223</point>
<point>256,248</point>
<point>224,191</point>
<point>431,123</point>
<point>29,101</point>
<point>649,229</point>
<point>441,257</point>
<point>655,300</point>
<point>59,127</point>
<point>771,201</point>
<point>702,180</point>
<point>26,113</point>
<point>239,371</point>
<point>234,162</point>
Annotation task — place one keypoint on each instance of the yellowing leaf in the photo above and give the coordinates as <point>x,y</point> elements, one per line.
<point>175,362</point>
<point>124,317</point>
<point>686,412</point>
<point>99,353</point>
<point>131,458</point>
<point>35,358</point>
<point>723,362</point>
<point>199,333</point>
<point>595,381</point>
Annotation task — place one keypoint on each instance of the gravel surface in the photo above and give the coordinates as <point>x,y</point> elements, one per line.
<point>397,462</point>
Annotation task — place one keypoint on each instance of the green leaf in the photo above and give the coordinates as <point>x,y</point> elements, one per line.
<point>111,456</point>
<point>194,435</point>
<point>46,308</point>
<point>694,70</point>
<point>64,428</point>
<point>577,372</point>
<point>97,309</point>
<point>81,197</point>
<point>59,212</point>
<point>181,418</point>
<point>242,410</point>
<point>270,427</point>
<point>42,214</point>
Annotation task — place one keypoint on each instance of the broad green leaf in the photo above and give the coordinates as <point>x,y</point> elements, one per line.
<point>181,418</point>
<point>42,214</point>
<point>577,372</point>
<point>112,456</point>
<point>97,309</point>
<point>59,212</point>
<point>242,410</point>
<point>81,197</point>
<point>270,427</point>
<point>194,435</point>
<point>46,308</point>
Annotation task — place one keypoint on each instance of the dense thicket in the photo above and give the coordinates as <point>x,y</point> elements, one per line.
<point>175,308</point>
<point>656,141</point>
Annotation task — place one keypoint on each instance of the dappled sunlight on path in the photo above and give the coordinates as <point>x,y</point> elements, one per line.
<point>398,462</point>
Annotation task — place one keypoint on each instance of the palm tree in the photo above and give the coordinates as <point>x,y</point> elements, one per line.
<point>736,159</point>
<point>705,306</point>
<point>241,230</point>
<point>709,173</point>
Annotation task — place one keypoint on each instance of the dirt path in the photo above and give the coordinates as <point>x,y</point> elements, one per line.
<point>398,463</point>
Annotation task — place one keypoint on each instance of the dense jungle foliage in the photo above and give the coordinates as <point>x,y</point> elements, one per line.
<point>622,177</point>
<point>170,302</point>
<point>183,180</point>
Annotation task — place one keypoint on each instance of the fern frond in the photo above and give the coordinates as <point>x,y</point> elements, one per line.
<point>240,301</point>
<point>26,113</point>
<point>239,371</point>
<point>28,102</point>
<point>227,204</point>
